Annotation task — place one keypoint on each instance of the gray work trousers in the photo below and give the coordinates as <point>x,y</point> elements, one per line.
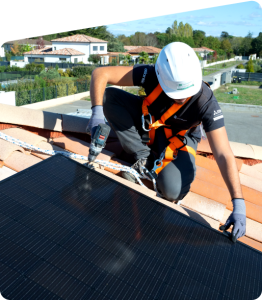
<point>123,112</point>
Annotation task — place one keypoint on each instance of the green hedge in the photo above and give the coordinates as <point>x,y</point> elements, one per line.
<point>24,97</point>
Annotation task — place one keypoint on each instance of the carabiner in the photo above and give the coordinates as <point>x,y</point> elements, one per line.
<point>143,122</point>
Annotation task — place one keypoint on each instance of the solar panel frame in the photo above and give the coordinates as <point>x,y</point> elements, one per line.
<point>49,256</point>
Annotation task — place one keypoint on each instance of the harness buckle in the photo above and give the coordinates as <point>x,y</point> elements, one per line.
<point>143,121</point>
<point>158,163</point>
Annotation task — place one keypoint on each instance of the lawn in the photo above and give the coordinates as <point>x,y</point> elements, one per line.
<point>227,65</point>
<point>246,96</point>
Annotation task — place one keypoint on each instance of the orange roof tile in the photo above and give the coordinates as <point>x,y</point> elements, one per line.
<point>80,38</point>
<point>48,51</point>
<point>201,49</point>
<point>148,49</point>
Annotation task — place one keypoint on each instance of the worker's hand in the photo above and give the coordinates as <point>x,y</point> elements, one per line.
<point>237,219</point>
<point>96,118</point>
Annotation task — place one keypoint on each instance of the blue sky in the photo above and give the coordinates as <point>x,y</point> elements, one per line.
<point>237,19</point>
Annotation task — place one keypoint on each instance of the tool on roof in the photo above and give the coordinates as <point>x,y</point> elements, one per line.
<point>98,141</point>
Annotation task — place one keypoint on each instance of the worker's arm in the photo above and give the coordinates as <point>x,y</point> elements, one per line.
<point>225,159</point>
<point>118,75</point>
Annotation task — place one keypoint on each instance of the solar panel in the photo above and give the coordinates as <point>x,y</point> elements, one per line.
<point>68,232</point>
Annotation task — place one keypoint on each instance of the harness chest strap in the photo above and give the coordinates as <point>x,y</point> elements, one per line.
<point>176,143</point>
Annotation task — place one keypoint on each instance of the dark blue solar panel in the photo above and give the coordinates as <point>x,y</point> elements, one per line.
<point>68,232</point>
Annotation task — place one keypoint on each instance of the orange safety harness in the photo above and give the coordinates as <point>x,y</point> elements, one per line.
<point>176,142</point>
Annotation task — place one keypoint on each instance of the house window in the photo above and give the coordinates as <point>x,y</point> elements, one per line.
<point>75,60</point>
<point>102,48</point>
<point>62,58</point>
<point>95,48</point>
<point>54,48</point>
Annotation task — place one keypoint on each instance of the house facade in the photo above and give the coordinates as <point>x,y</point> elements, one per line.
<point>75,49</point>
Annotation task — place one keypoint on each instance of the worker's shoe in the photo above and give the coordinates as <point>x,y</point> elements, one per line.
<point>139,167</point>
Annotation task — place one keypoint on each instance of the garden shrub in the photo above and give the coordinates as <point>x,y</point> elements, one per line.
<point>82,70</point>
<point>241,66</point>
<point>50,74</point>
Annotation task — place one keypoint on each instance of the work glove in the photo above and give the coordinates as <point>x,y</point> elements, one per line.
<point>237,219</point>
<point>96,118</point>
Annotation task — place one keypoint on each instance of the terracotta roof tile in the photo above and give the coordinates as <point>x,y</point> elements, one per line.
<point>80,38</point>
<point>148,49</point>
<point>18,161</point>
<point>201,49</point>
<point>48,51</point>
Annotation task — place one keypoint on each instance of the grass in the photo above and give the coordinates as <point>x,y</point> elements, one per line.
<point>131,90</point>
<point>246,96</point>
<point>228,65</point>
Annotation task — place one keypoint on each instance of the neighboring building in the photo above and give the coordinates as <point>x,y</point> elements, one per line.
<point>48,55</point>
<point>203,51</point>
<point>73,48</point>
<point>31,42</point>
<point>253,56</point>
<point>2,51</point>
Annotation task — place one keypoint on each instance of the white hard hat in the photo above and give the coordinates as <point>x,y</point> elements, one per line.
<point>178,71</point>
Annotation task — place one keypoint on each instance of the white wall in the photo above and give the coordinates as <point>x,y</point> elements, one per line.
<point>7,98</point>
<point>86,48</point>
<point>82,47</point>
<point>50,58</point>
<point>20,64</point>
<point>98,51</point>
<point>2,52</point>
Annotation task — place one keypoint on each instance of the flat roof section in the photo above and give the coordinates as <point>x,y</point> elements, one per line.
<point>68,232</point>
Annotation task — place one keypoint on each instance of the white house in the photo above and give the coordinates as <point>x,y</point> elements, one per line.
<point>48,55</point>
<point>73,49</point>
<point>2,51</point>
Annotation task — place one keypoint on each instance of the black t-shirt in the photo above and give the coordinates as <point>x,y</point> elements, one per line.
<point>198,109</point>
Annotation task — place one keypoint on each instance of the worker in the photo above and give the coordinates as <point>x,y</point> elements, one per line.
<point>165,126</point>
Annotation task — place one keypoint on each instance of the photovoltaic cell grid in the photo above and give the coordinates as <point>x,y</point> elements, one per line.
<point>68,232</point>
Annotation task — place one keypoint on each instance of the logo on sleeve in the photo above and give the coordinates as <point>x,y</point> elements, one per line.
<point>218,115</point>
<point>144,76</point>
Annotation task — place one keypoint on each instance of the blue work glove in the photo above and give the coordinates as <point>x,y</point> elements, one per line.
<point>237,219</point>
<point>96,118</point>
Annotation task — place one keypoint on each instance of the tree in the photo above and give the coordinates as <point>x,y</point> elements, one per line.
<point>225,45</point>
<point>25,48</point>
<point>236,44</point>
<point>151,40</point>
<point>250,66</point>
<point>224,35</point>
<point>181,28</point>
<point>143,57</point>
<point>94,58</point>
<point>188,30</point>
<point>174,28</point>
<point>138,39</point>
<point>40,44</point>
<point>246,44</point>
<point>212,42</point>
<point>116,46</point>
<point>15,49</point>
<point>199,37</point>
<point>256,44</point>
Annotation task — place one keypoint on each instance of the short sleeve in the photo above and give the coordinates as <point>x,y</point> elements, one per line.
<point>212,115</point>
<point>144,75</point>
